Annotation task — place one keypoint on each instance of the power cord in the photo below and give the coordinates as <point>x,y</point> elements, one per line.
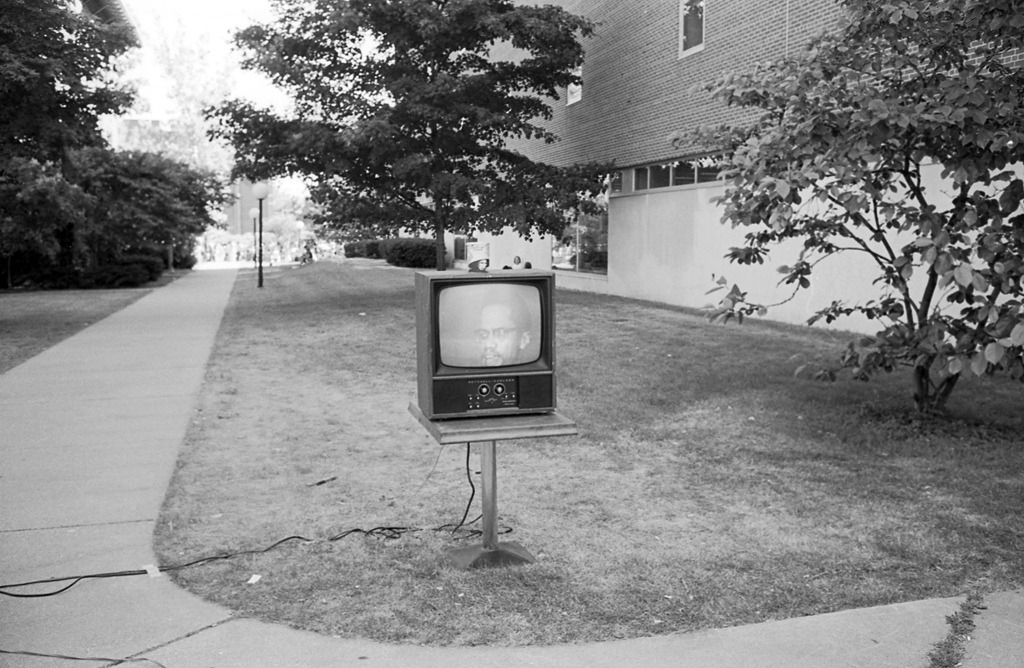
<point>472,493</point>
<point>387,533</point>
<point>75,579</point>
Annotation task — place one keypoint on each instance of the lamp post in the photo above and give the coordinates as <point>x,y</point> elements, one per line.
<point>254,213</point>
<point>260,190</point>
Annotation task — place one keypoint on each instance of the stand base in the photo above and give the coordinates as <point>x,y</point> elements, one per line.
<point>506,554</point>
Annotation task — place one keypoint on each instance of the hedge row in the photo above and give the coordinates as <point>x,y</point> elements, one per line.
<point>366,248</point>
<point>130,271</point>
<point>405,252</point>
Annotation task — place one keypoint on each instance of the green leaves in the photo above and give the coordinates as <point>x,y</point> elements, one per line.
<point>405,107</point>
<point>964,275</point>
<point>56,63</point>
<point>138,200</point>
<point>840,157</point>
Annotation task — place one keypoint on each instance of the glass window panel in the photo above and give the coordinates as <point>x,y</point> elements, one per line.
<point>616,182</point>
<point>693,23</point>
<point>574,93</point>
<point>683,173</point>
<point>640,178</point>
<point>707,171</point>
<point>583,246</point>
<point>659,176</point>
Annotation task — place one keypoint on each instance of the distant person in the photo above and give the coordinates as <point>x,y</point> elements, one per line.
<point>307,253</point>
<point>504,333</point>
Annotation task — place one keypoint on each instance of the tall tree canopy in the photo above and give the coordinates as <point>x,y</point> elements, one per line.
<point>402,111</point>
<point>56,78</point>
<point>64,196</point>
<point>837,159</point>
<point>57,69</point>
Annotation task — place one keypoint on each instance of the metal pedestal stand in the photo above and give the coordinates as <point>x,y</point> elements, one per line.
<point>486,432</point>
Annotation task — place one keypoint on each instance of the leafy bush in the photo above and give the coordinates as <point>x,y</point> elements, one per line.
<point>370,248</point>
<point>115,276</point>
<point>154,265</point>
<point>184,261</point>
<point>54,278</point>
<point>355,249</point>
<point>417,253</point>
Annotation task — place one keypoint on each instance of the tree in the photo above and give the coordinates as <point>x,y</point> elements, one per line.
<point>837,158</point>
<point>56,69</point>
<point>403,109</point>
<point>143,201</point>
<point>35,202</point>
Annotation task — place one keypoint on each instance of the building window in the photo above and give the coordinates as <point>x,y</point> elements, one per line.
<point>681,173</point>
<point>707,170</point>
<point>684,173</point>
<point>574,93</point>
<point>659,176</point>
<point>691,26</point>
<point>583,246</point>
<point>640,178</point>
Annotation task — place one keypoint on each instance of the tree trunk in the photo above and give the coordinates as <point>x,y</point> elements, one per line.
<point>943,391</point>
<point>927,398</point>
<point>66,238</point>
<point>439,244</point>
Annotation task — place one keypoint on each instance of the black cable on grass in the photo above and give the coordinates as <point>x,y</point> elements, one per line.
<point>229,555</point>
<point>388,533</point>
<point>472,487</point>
<point>75,579</point>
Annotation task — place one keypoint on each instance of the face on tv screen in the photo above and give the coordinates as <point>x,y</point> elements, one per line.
<point>489,324</point>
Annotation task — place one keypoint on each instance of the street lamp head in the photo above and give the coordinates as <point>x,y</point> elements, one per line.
<point>254,212</point>
<point>261,190</point>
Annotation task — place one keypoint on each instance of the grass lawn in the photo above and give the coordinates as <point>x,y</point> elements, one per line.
<point>33,320</point>
<point>708,486</point>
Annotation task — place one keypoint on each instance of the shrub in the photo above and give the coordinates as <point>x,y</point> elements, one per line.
<point>355,249</point>
<point>154,265</point>
<point>184,261</point>
<point>54,278</point>
<point>115,276</point>
<point>371,248</point>
<point>417,253</point>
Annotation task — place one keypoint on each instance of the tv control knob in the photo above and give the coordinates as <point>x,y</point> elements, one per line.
<point>484,390</point>
<point>499,389</point>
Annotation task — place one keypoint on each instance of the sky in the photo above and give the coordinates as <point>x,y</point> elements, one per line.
<point>201,24</point>
<point>203,27</point>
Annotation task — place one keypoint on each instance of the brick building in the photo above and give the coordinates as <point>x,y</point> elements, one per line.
<point>662,239</point>
<point>638,75</point>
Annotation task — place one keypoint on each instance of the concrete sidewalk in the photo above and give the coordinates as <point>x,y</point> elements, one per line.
<point>89,436</point>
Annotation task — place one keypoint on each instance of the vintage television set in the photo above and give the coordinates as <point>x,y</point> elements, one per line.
<point>485,343</point>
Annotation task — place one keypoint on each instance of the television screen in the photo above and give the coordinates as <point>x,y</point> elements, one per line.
<point>489,324</point>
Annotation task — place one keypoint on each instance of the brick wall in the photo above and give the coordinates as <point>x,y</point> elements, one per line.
<point>636,89</point>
